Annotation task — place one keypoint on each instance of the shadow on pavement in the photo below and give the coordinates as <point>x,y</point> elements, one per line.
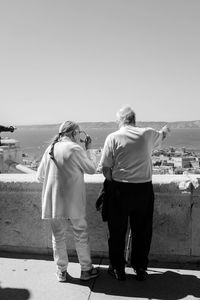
<point>167,285</point>
<point>74,280</point>
<point>21,255</point>
<point>14,294</point>
<point>187,265</point>
<point>47,257</point>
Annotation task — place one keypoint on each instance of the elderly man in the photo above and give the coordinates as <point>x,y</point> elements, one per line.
<point>126,162</point>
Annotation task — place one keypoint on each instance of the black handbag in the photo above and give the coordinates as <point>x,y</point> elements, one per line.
<point>104,200</point>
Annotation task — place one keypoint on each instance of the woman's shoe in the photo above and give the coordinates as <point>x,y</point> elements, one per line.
<point>92,273</point>
<point>61,275</point>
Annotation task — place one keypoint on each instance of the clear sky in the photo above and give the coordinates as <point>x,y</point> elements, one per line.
<point>84,59</point>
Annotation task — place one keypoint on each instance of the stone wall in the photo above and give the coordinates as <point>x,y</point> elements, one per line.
<point>176,233</point>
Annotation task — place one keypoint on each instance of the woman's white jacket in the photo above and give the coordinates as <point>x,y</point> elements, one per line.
<point>63,193</point>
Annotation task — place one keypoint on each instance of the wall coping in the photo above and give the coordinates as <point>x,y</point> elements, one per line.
<point>99,178</point>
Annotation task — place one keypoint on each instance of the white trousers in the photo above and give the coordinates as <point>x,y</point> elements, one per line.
<point>81,239</point>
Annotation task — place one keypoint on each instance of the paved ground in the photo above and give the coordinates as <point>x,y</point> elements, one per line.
<point>28,277</point>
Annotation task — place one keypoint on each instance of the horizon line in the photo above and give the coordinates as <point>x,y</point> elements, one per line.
<point>55,124</point>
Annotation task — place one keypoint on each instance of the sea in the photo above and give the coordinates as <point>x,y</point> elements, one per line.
<point>33,140</point>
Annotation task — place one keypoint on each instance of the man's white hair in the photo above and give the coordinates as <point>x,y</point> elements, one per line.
<point>126,115</point>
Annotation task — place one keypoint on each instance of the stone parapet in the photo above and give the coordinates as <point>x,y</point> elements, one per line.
<point>176,227</point>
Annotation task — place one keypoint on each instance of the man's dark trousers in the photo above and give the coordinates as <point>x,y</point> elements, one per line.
<point>133,201</point>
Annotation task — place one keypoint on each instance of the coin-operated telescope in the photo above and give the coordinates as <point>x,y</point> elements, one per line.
<point>6,129</point>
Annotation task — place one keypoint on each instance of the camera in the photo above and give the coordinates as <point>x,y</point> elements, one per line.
<point>85,138</point>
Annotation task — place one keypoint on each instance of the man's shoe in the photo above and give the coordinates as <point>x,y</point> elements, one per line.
<point>92,273</point>
<point>141,274</point>
<point>119,274</point>
<point>61,276</point>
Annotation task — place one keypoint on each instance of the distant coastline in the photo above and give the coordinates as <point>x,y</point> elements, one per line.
<point>113,125</point>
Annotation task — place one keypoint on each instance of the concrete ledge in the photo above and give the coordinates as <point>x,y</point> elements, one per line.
<point>176,217</point>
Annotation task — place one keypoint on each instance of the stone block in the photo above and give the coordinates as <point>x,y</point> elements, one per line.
<point>172,224</point>
<point>195,216</point>
<point>20,221</point>
<point>97,228</point>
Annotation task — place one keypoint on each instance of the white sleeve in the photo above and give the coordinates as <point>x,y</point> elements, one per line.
<point>107,154</point>
<point>155,137</point>
<point>41,171</point>
<point>159,136</point>
<point>83,159</point>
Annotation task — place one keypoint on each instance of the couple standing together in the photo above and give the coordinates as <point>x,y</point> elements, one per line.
<point>126,163</point>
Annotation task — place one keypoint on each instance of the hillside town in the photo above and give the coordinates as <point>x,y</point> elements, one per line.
<point>175,161</point>
<point>171,161</point>
<point>164,161</point>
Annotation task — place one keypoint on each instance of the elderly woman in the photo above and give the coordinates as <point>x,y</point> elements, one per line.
<point>62,171</point>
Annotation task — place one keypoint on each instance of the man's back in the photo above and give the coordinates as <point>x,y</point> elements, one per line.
<point>128,152</point>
